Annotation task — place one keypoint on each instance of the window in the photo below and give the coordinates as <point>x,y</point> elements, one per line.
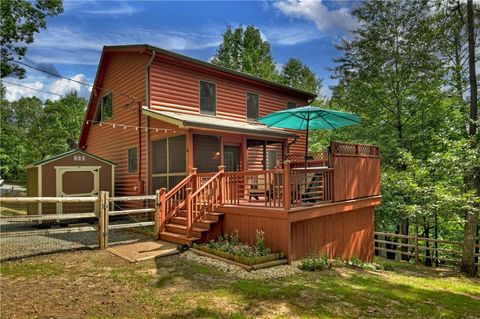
<point>252,106</point>
<point>291,105</point>
<point>208,103</point>
<point>132,160</point>
<point>271,159</point>
<point>106,107</point>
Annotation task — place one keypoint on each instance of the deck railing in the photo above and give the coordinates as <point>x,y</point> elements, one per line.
<point>311,186</point>
<point>254,188</point>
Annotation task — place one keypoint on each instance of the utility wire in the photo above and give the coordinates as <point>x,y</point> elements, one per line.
<point>30,88</point>
<point>133,99</point>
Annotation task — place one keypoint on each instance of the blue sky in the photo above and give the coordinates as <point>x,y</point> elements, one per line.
<point>72,43</point>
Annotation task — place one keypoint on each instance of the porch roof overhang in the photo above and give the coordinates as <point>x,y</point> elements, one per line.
<point>183,120</point>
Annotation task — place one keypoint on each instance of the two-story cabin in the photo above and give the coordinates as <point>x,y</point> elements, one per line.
<point>187,127</point>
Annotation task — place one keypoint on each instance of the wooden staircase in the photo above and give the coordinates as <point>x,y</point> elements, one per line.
<point>176,228</point>
<point>187,212</point>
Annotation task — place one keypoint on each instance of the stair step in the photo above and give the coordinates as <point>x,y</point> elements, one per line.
<point>177,238</point>
<point>182,229</point>
<point>203,223</point>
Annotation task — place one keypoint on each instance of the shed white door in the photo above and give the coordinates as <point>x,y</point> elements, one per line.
<point>75,181</point>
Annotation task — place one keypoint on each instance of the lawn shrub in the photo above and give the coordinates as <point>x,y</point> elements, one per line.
<point>230,243</point>
<point>314,263</point>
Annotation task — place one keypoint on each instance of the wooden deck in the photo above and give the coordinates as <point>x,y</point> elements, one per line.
<point>300,209</point>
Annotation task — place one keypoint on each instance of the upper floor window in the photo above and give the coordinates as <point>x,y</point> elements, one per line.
<point>105,108</point>
<point>291,105</point>
<point>208,98</point>
<point>132,160</point>
<point>252,106</point>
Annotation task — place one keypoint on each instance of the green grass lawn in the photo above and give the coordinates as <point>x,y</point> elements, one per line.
<point>95,284</point>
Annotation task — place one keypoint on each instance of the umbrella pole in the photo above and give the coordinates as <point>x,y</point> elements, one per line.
<point>306,158</point>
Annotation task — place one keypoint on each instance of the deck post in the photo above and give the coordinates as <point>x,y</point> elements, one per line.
<point>221,186</point>
<point>286,184</point>
<point>188,206</point>
<point>193,181</point>
<point>159,206</point>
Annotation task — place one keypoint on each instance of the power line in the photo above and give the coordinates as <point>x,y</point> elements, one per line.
<point>133,99</point>
<point>30,88</point>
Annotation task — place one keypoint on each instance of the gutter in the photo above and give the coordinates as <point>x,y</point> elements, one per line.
<point>147,135</point>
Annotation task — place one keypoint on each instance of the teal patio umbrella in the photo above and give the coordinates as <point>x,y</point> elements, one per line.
<point>309,117</point>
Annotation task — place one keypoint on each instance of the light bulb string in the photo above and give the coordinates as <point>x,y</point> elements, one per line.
<point>125,126</point>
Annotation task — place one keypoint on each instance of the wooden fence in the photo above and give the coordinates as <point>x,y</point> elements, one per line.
<point>102,215</point>
<point>420,249</point>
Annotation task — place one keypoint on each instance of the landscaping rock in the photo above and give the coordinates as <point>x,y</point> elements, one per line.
<point>267,273</point>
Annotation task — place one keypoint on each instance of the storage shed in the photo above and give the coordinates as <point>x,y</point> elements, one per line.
<point>73,173</point>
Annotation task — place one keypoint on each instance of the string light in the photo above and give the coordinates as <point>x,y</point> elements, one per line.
<point>125,126</point>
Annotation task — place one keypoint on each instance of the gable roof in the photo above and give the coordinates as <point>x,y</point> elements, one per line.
<point>211,66</point>
<point>185,61</point>
<point>68,153</point>
<point>202,121</point>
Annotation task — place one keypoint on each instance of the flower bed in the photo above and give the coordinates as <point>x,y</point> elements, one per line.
<point>229,247</point>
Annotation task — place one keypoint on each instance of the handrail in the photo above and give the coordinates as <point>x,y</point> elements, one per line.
<point>206,183</point>
<point>173,201</point>
<point>199,201</point>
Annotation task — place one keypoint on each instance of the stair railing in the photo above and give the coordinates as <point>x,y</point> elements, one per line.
<point>173,201</point>
<point>205,199</point>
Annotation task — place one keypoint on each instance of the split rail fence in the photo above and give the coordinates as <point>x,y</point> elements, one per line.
<point>114,213</point>
<point>420,249</point>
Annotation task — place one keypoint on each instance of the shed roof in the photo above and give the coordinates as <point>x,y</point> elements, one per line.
<point>68,153</point>
<point>215,123</point>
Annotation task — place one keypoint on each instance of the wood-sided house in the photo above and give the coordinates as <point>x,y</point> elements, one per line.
<point>187,128</point>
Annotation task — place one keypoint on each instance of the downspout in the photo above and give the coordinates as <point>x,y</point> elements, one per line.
<point>290,144</point>
<point>147,135</point>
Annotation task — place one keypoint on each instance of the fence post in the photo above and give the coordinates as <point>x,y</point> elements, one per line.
<point>188,206</point>
<point>415,243</point>
<point>286,185</point>
<point>103,220</point>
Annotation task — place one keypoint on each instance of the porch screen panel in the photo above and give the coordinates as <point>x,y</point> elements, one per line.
<point>206,153</point>
<point>159,182</point>
<point>159,156</point>
<point>177,161</point>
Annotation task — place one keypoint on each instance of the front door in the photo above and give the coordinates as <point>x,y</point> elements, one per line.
<point>231,158</point>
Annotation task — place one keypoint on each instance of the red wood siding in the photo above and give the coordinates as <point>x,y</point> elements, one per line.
<point>125,73</point>
<point>175,88</point>
<point>343,235</point>
<point>355,176</point>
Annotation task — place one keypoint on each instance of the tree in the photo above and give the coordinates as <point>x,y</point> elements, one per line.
<point>471,224</point>
<point>60,120</point>
<point>390,74</point>
<point>20,20</point>
<point>244,50</point>
<point>298,75</point>
<point>31,130</point>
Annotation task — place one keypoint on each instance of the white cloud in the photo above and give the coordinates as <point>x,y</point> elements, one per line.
<point>316,11</point>
<point>123,9</point>
<point>75,46</point>
<point>291,35</point>
<point>46,84</point>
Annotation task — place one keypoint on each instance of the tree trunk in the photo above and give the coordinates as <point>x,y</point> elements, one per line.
<point>428,256</point>
<point>471,224</point>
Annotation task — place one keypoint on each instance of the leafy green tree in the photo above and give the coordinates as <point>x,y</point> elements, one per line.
<point>298,75</point>
<point>17,143</point>
<point>31,130</point>
<point>20,20</point>
<point>60,120</point>
<point>244,50</point>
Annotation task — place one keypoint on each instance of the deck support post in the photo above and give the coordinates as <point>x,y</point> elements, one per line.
<point>286,185</point>
<point>193,182</point>
<point>188,206</point>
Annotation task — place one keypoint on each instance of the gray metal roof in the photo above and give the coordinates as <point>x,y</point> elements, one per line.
<point>215,123</point>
